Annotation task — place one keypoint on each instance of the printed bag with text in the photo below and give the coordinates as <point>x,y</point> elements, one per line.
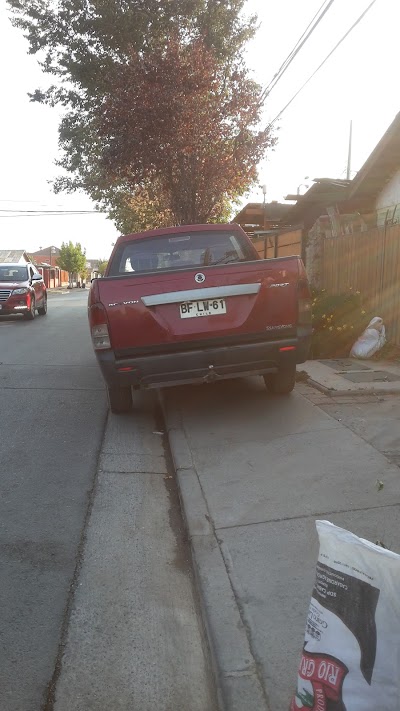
<point>351,654</point>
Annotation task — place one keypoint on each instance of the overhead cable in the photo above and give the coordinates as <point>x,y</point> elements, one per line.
<point>324,61</point>
<point>44,213</point>
<point>296,49</point>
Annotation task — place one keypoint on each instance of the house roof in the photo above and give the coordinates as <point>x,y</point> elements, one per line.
<point>380,166</point>
<point>323,193</point>
<point>252,215</point>
<point>12,256</point>
<point>357,195</point>
<point>46,251</point>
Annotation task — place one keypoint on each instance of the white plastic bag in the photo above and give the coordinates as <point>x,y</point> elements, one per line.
<point>351,654</point>
<point>371,341</point>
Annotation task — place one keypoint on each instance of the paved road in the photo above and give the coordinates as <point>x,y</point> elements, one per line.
<point>52,396</point>
<point>97,602</point>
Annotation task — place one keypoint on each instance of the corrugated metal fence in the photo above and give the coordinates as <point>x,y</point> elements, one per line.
<point>368,262</point>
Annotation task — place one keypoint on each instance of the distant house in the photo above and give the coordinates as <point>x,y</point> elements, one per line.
<point>269,228</point>
<point>372,198</point>
<point>334,207</point>
<point>48,255</point>
<point>257,216</point>
<point>324,193</point>
<point>14,256</point>
<point>92,265</point>
<point>46,262</point>
<point>378,181</point>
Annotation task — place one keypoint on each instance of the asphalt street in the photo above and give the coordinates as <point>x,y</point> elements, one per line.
<point>98,608</point>
<point>53,412</point>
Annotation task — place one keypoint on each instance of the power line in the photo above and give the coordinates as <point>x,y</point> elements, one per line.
<point>48,214</point>
<point>38,204</point>
<point>296,49</point>
<point>21,200</point>
<point>45,213</point>
<point>324,61</point>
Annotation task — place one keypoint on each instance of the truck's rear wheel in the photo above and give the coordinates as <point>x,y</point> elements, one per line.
<point>282,382</point>
<point>120,400</point>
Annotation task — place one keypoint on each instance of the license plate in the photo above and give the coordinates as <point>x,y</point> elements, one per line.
<point>208,307</point>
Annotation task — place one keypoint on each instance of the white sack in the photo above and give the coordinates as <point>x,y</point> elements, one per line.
<point>351,654</point>
<point>371,341</point>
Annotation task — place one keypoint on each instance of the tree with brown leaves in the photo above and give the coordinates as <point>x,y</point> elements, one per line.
<point>179,119</point>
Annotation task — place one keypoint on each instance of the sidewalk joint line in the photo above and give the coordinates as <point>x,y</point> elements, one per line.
<point>305,516</point>
<point>243,616</point>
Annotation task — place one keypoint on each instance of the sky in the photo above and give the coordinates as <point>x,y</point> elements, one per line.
<point>359,83</point>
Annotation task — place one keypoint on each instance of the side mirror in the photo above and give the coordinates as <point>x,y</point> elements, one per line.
<point>36,277</point>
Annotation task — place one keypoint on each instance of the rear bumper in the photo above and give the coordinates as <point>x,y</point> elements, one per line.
<point>203,365</point>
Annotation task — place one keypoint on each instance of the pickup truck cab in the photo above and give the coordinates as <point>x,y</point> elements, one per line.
<point>195,303</point>
<point>22,291</point>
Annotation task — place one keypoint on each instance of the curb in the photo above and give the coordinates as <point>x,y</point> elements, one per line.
<point>235,669</point>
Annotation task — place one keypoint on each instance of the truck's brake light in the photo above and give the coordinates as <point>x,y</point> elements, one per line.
<point>100,337</point>
<point>305,302</point>
<point>99,327</point>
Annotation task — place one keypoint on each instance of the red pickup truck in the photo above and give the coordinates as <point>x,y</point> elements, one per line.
<point>197,304</point>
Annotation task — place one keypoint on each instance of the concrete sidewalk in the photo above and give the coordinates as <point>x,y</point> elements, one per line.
<point>134,639</point>
<point>58,290</point>
<point>349,376</point>
<point>255,472</point>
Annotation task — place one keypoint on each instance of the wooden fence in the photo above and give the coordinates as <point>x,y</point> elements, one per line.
<point>286,244</point>
<point>368,262</point>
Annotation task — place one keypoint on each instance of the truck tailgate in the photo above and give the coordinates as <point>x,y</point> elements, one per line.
<point>243,299</point>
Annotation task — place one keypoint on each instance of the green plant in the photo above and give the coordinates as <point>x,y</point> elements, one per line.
<point>338,320</point>
<point>72,259</point>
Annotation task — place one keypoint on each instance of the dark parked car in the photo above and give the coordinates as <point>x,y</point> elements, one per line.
<point>22,291</point>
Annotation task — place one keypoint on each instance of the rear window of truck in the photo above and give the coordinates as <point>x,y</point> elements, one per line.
<point>181,251</point>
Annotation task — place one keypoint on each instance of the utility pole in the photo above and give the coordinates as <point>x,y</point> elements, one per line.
<point>349,153</point>
<point>264,189</point>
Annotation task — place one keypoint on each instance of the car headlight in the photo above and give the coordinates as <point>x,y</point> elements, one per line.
<point>23,290</point>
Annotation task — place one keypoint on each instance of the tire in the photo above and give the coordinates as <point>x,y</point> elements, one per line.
<point>119,400</point>
<point>282,382</point>
<point>30,315</point>
<point>42,311</point>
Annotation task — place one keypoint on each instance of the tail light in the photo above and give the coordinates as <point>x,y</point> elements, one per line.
<point>99,327</point>
<point>305,302</point>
